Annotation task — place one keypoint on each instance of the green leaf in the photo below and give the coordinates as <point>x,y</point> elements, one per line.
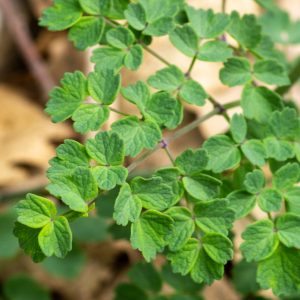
<point>256,152</point>
<point>270,200</point>
<point>63,15</point>
<point>90,230</point>
<point>152,192</point>
<point>86,32</point>
<point>255,182</point>
<point>69,155</point>
<point>281,271</point>
<point>207,24</point>
<point>108,57</point>
<point>202,187</point>
<point>28,241</point>
<point>120,37</point>
<point>56,238</point>
<point>96,7</point>
<point>214,216</point>
<point>104,85</point>
<point>128,207</point>
<point>64,101</point>
<point>134,57</point>
<point>177,119</point>
<point>218,247</point>
<point>192,92</point>
<point>214,51</point>
<point>185,297</point>
<point>106,149</point>
<point>185,39</point>
<point>242,202</point>
<point>280,150</point>
<point>206,270</point>
<point>238,128</point>
<point>243,278</point>
<point>126,291</point>
<point>167,79</point>
<point>170,177</point>
<point>160,27</point>
<point>22,287</point>
<point>240,175</point>
<point>137,134</point>
<point>292,194</point>
<point>184,227</point>
<point>271,72</point>
<point>286,176</point>
<point>179,282</point>
<point>236,71</point>
<point>36,211</point>
<point>283,125</point>
<point>90,117</point>
<point>288,229</point>
<point>260,240</point>
<point>74,190</point>
<point>259,102</point>
<point>245,30</point>
<point>183,260</point>
<point>145,276</point>
<point>117,9</point>
<point>223,153</point>
<point>192,162</point>
<point>108,177</point>
<point>147,232</point>
<point>136,16</point>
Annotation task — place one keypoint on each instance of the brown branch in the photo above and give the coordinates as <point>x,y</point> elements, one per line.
<point>21,35</point>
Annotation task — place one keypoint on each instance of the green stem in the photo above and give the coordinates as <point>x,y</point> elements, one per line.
<point>217,104</point>
<point>118,112</point>
<point>269,216</point>
<point>192,64</point>
<point>223,6</point>
<point>197,231</point>
<point>294,74</point>
<point>155,54</point>
<point>170,155</point>
<point>187,199</point>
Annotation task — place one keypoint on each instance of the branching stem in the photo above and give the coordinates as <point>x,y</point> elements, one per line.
<point>118,112</point>
<point>170,155</point>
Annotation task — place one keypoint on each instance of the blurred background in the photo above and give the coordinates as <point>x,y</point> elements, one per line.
<point>32,62</point>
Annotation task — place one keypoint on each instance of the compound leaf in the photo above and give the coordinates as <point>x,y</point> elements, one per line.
<point>147,233</point>
<point>214,216</point>
<point>134,57</point>
<point>255,151</point>
<point>184,227</point>
<point>28,241</point>
<point>207,24</point>
<point>104,85</point>
<point>271,72</point>
<point>218,247</point>
<point>87,32</point>
<point>292,194</point>
<point>192,162</point>
<point>64,101</point>
<point>214,51</point>
<point>255,182</point>
<point>120,37</point>
<point>96,7</point>
<point>160,27</point>
<point>245,30</point>
<point>178,116</point>
<point>90,117</point>
<point>137,134</point>
<point>117,10</point>
<point>56,238</point>
<point>260,240</point>
<point>238,128</point>
<point>35,212</point>
<point>136,16</point>
<point>288,226</point>
<point>280,271</point>
<point>270,200</point>
<point>127,207</point>
<point>106,149</point>
<point>183,260</point>
<point>192,92</point>
<point>236,71</point>
<point>202,187</point>
<point>63,15</point>
<point>223,153</point>
<point>205,269</point>
<point>279,149</point>
<point>286,176</point>
<point>185,39</point>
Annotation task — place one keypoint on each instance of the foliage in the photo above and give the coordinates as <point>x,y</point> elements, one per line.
<point>221,182</point>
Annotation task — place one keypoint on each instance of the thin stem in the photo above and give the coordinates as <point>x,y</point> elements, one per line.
<point>187,199</point>
<point>269,216</point>
<point>192,64</point>
<point>217,104</point>
<point>118,112</point>
<point>155,54</point>
<point>108,21</point>
<point>198,232</point>
<point>223,6</point>
<point>170,155</point>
